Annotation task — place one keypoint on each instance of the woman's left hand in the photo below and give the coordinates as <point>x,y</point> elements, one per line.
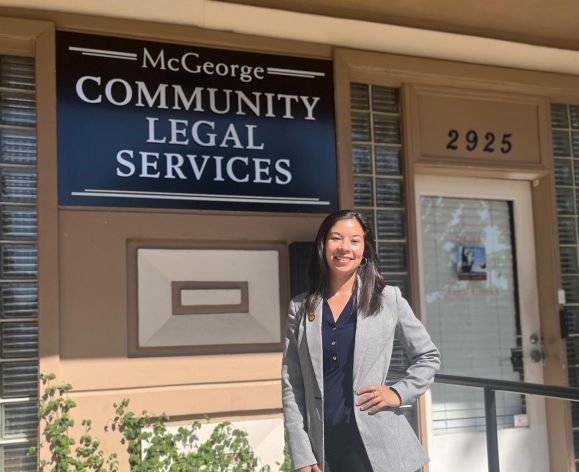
<point>377,397</point>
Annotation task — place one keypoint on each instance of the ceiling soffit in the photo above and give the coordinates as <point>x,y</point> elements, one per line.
<point>552,24</point>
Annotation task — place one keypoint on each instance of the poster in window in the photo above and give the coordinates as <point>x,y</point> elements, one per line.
<point>471,263</point>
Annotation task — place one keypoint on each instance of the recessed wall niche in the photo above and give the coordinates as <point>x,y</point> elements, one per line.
<point>195,298</point>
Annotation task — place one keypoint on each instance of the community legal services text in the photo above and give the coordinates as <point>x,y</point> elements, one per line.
<point>202,133</point>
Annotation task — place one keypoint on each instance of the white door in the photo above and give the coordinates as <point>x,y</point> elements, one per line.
<point>479,302</point>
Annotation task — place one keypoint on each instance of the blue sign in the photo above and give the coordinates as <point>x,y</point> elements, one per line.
<point>155,125</point>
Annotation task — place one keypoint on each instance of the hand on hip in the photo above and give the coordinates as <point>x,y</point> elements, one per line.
<point>309,468</point>
<point>377,397</point>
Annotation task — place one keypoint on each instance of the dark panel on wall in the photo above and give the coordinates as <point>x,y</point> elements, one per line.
<point>299,258</point>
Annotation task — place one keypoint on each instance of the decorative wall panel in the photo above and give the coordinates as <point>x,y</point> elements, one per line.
<point>224,299</point>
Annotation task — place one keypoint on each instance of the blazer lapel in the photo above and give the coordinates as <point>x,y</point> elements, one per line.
<point>314,341</point>
<point>363,333</point>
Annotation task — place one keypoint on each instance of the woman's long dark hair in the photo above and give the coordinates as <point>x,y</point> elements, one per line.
<point>372,282</point>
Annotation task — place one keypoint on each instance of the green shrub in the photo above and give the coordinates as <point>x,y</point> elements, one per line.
<point>150,445</point>
<point>54,411</point>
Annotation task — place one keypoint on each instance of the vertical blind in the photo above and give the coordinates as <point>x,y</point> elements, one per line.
<point>565,125</point>
<point>18,265</point>
<point>378,185</point>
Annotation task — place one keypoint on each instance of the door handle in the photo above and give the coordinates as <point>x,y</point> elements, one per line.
<point>537,355</point>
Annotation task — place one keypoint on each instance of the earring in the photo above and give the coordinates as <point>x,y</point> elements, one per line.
<point>364,262</point>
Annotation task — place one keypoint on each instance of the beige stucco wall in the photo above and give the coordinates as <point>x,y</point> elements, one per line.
<point>93,319</point>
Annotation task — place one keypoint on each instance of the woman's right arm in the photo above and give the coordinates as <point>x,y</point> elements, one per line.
<point>293,398</point>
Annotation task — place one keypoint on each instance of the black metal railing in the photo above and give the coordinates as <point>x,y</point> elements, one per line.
<point>490,387</point>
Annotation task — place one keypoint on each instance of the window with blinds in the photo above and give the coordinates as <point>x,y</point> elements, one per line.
<point>481,314</point>
<point>565,124</point>
<point>378,185</point>
<point>18,265</point>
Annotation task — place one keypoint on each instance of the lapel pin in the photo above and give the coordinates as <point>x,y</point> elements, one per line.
<point>312,317</point>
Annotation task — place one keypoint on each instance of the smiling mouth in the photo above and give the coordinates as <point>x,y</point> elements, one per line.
<point>342,259</point>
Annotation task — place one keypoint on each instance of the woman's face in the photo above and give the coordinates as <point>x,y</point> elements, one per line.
<point>344,247</point>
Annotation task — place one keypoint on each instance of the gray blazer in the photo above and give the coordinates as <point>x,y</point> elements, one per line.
<point>390,442</point>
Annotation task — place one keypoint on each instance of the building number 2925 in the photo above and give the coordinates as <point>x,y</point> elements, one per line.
<point>488,142</point>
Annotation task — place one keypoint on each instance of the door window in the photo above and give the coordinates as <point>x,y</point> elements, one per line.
<point>471,303</point>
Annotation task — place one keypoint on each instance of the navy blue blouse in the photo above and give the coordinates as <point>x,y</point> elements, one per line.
<point>338,350</point>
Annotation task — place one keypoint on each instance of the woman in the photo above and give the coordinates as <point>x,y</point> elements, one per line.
<point>337,409</point>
